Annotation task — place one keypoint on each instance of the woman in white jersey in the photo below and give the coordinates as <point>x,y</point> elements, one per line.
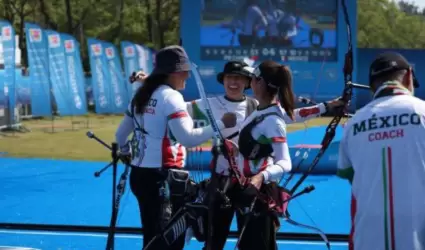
<point>264,153</point>
<point>162,129</point>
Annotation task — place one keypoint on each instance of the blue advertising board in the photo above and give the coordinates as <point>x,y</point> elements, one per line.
<point>309,36</point>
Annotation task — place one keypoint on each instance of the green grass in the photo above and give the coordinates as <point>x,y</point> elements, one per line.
<point>68,143</point>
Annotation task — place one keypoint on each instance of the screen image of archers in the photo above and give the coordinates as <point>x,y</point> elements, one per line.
<point>287,30</point>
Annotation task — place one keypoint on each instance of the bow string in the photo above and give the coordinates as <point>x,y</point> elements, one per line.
<point>340,111</point>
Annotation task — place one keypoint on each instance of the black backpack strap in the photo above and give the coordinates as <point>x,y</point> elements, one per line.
<point>248,145</point>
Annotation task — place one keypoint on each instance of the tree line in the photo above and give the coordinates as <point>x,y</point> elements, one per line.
<point>156,23</point>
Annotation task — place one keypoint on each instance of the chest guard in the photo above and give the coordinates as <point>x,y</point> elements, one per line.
<point>249,147</point>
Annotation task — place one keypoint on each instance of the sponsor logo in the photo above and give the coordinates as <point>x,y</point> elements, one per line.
<point>96,49</point>
<point>54,41</point>
<point>129,51</point>
<point>69,46</point>
<point>6,33</point>
<point>109,53</point>
<point>35,35</point>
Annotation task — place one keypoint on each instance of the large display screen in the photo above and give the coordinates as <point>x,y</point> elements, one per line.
<point>281,30</point>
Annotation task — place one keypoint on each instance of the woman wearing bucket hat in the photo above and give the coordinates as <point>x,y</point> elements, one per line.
<point>162,128</point>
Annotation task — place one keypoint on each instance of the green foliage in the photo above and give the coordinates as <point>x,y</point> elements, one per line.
<point>385,24</point>
<point>153,23</point>
<point>156,23</point>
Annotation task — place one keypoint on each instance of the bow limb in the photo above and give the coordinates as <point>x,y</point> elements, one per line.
<point>217,138</point>
<point>218,141</point>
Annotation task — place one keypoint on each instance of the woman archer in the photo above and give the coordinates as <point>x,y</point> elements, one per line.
<point>264,154</point>
<point>162,129</point>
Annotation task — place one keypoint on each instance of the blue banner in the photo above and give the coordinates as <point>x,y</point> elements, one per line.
<point>2,94</point>
<point>23,84</point>
<point>149,59</point>
<point>145,58</point>
<point>100,76</point>
<point>58,73</point>
<point>116,76</point>
<point>9,80</point>
<point>38,59</point>
<point>131,64</point>
<point>76,81</point>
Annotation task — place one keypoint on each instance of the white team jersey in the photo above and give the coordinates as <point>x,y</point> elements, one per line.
<point>157,146</point>
<point>221,105</point>
<point>384,147</point>
<point>271,129</point>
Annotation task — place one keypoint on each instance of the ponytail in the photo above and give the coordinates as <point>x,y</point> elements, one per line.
<point>144,93</point>
<point>285,92</point>
<point>279,82</point>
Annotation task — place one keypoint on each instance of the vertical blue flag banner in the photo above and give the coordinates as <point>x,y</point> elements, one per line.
<point>143,58</point>
<point>23,84</point>
<point>118,90</point>
<point>149,59</point>
<point>9,79</point>
<point>131,64</point>
<point>38,59</point>
<point>3,86</point>
<point>2,94</point>
<point>76,81</point>
<point>100,76</point>
<point>58,73</point>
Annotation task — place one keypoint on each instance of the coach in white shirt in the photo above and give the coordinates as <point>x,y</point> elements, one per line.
<point>382,154</point>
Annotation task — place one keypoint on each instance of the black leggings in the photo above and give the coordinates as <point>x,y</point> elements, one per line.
<point>260,228</point>
<point>260,232</point>
<point>221,222</point>
<point>222,216</point>
<point>155,209</point>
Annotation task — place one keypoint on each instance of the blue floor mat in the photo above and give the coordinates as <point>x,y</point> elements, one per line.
<point>65,192</point>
